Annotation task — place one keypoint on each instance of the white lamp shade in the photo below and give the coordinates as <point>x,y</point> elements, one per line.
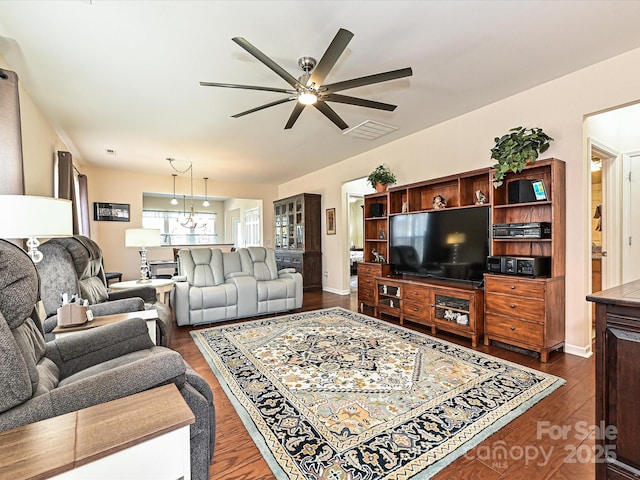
<point>28,216</point>
<point>142,237</point>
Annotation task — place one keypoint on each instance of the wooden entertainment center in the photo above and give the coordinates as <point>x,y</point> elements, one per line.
<point>522,311</point>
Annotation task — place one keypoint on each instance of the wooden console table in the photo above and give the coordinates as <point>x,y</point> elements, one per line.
<point>142,436</point>
<point>617,381</point>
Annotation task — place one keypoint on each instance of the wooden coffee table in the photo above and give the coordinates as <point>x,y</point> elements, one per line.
<point>151,316</point>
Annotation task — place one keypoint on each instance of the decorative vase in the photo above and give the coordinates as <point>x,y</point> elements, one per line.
<point>381,187</point>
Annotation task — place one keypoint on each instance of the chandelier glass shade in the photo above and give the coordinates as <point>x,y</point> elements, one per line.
<point>206,199</point>
<point>174,200</point>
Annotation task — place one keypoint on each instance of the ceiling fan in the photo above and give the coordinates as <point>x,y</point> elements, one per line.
<point>309,88</point>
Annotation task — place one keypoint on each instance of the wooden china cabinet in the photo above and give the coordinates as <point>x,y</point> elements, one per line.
<point>298,237</point>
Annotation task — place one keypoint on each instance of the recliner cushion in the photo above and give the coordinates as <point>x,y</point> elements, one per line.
<point>58,274</point>
<point>94,290</point>
<point>264,263</point>
<point>18,295</point>
<point>15,381</point>
<point>203,267</point>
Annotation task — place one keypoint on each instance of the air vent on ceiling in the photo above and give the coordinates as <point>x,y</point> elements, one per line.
<point>110,151</point>
<point>370,130</point>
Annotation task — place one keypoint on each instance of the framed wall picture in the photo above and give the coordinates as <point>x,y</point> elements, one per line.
<point>111,212</point>
<point>331,221</point>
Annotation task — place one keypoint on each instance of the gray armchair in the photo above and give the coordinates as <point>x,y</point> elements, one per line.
<point>40,380</point>
<point>74,265</point>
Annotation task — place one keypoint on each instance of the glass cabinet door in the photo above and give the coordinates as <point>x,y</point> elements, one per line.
<point>278,233</point>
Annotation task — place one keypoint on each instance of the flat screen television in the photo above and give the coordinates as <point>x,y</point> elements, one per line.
<point>448,244</point>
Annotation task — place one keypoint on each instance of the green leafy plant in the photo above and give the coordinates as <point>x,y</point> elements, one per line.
<point>382,175</point>
<point>516,149</point>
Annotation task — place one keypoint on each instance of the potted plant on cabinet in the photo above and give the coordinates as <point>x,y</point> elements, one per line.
<point>516,149</point>
<point>381,177</point>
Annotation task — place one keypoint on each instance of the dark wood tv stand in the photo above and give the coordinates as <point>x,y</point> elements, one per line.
<point>455,307</point>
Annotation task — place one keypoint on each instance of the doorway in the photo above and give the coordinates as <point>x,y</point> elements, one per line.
<point>614,141</point>
<point>355,191</point>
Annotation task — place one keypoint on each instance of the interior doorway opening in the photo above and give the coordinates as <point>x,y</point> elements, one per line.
<point>613,142</point>
<point>355,191</point>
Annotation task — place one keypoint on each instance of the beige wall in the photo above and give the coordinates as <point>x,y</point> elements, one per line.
<point>463,143</point>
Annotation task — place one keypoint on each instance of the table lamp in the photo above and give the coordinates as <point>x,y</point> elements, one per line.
<point>142,238</point>
<point>33,217</point>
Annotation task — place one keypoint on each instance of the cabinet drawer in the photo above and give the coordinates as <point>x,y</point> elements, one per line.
<point>515,306</point>
<point>369,269</point>
<point>416,309</point>
<point>366,281</point>
<point>416,293</point>
<point>514,286</point>
<point>518,330</point>
<point>366,294</point>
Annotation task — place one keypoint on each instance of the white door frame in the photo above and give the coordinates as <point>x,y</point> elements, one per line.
<point>630,208</point>
<point>611,212</point>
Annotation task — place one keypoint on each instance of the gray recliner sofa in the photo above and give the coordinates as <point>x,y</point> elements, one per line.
<point>40,380</point>
<point>214,286</point>
<point>74,265</point>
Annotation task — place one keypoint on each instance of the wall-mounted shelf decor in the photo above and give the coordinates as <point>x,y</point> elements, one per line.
<point>111,212</point>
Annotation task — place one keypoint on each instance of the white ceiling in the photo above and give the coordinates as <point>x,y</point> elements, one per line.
<point>124,75</point>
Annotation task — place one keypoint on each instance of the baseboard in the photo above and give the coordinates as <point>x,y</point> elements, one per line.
<point>336,291</point>
<point>585,352</point>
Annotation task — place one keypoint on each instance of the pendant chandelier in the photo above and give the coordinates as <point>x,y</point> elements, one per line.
<point>206,199</point>
<point>190,220</point>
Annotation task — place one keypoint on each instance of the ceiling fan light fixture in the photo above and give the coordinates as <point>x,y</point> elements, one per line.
<point>307,98</point>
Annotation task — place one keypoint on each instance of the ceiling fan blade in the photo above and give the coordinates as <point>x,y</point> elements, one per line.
<point>297,110</point>
<point>262,107</point>
<point>286,76</point>
<point>361,102</point>
<point>246,87</point>
<point>330,57</point>
<point>331,115</point>
<point>368,80</point>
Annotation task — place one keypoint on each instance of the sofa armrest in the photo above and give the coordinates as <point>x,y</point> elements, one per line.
<point>73,353</point>
<point>179,278</point>
<point>125,305</point>
<point>286,270</point>
<point>145,292</point>
<point>180,302</point>
<point>160,368</point>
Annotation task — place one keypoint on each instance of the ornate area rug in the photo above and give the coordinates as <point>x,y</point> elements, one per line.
<point>333,394</point>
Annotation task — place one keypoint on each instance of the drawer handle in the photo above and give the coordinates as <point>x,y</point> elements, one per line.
<point>512,305</point>
<point>512,287</point>
<point>415,309</point>
<point>512,328</point>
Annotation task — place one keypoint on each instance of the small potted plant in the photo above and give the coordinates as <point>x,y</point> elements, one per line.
<point>381,177</point>
<point>516,149</point>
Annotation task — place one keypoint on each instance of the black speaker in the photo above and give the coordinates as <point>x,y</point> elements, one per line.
<point>521,191</point>
<point>376,210</point>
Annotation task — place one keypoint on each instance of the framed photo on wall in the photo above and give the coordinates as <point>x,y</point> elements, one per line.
<point>111,212</point>
<point>331,221</point>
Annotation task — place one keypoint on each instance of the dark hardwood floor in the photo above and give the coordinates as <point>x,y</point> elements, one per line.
<point>554,439</point>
